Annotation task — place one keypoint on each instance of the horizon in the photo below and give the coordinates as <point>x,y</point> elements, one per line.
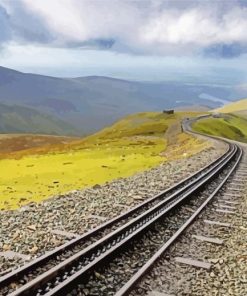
<point>223,101</point>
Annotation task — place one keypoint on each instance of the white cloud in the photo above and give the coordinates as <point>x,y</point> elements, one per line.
<point>140,26</point>
<point>192,29</point>
<point>80,21</point>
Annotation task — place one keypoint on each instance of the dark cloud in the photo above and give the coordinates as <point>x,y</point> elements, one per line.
<point>27,27</point>
<point>226,51</point>
<point>23,26</point>
<point>93,44</point>
<point>242,3</point>
<point>5,30</point>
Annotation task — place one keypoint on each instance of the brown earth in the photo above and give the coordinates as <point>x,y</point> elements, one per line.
<point>12,143</point>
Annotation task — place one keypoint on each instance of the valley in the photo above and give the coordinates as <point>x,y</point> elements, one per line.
<point>80,106</point>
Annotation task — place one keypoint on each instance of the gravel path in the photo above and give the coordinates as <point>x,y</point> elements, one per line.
<point>228,274</point>
<point>29,229</point>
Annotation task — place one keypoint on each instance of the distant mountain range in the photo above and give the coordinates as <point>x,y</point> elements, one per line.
<point>77,106</point>
<point>19,119</point>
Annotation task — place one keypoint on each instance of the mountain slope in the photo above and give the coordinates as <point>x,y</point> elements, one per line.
<point>133,144</point>
<point>89,103</point>
<point>230,126</point>
<point>19,119</point>
<point>237,106</point>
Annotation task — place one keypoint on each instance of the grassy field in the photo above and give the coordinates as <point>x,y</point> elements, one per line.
<point>231,126</point>
<point>238,106</point>
<point>34,172</point>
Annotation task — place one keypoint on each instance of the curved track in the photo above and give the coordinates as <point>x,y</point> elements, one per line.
<point>60,271</point>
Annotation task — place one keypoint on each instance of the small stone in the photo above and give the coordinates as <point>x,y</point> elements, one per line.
<point>33,250</point>
<point>137,197</point>
<point>31,227</point>
<point>99,276</point>
<point>214,261</point>
<point>6,247</point>
<point>13,285</point>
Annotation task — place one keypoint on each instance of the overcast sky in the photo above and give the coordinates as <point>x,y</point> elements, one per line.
<point>193,41</point>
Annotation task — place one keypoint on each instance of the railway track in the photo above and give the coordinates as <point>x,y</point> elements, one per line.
<point>70,268</point>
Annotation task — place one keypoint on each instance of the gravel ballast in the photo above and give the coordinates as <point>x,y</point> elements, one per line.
<point>29,230</point>
<point>228,272</point>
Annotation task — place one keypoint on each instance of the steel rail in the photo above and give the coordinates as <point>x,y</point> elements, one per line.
<point>16,274</point>
<point>136,278</point>
<point>107,246</point>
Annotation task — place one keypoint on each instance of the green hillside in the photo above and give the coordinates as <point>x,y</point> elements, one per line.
<point>142,124</point>
<point>231,126</point>
<point>19,119</point>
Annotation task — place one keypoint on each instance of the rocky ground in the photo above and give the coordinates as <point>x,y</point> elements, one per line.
<point>29,230</point>
<point>228,272</point>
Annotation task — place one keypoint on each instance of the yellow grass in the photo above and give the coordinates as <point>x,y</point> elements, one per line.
<point>133,144</point>
<point>240,105</point>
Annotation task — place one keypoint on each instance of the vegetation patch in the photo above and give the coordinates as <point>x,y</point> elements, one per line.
<point>11,144</point>
<point>230,126</point>
<point>233,107</point>
<point>133,144</point>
